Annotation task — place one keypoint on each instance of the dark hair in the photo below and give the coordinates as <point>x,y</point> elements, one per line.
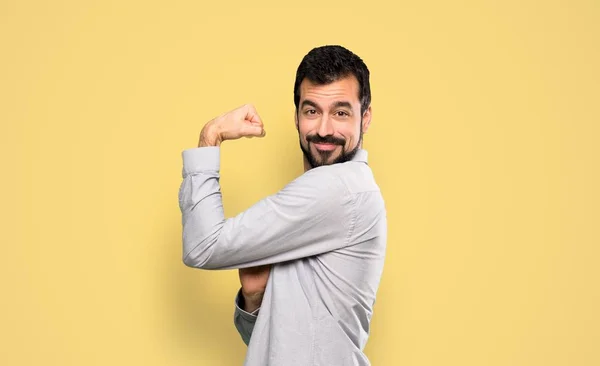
<point>327,64</point>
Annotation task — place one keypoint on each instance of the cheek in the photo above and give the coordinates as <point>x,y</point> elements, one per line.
<point>302,132</point>
<point>350,133</point>
<point>304,128</point>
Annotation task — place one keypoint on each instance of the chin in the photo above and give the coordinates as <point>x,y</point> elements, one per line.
<point>315,158</point>
<point>326,158</point>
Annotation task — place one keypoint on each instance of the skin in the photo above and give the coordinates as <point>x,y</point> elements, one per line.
<point>330,127</point>
<point>331,113</point>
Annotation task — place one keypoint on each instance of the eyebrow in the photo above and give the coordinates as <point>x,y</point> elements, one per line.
<point>307,102</point>
<point>341,104</point>
<point>338,104</point>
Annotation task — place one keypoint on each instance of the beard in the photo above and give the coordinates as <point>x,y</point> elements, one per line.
<point>322,157</point>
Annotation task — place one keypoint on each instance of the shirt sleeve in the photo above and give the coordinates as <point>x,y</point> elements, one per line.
<point>313,214</point>
<point>243,320</point>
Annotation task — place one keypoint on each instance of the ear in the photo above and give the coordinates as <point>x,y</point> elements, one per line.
<point>366,120</point>
<point>296,117</point>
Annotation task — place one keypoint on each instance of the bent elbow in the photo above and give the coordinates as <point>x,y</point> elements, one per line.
<point>201,254</point>
<point>190,262</point>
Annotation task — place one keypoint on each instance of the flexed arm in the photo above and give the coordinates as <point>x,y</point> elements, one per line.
<point>311,215</point>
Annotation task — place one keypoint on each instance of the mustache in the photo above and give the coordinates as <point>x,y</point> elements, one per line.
<point>316,139</point>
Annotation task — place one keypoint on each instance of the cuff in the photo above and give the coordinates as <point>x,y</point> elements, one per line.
<point>200,159</point>
<point>239,304</point>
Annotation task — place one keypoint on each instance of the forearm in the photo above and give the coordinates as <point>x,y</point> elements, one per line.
<point>201,204</point>
<point>251,302</point>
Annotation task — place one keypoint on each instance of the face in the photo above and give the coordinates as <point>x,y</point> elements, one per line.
<point>329,121</point>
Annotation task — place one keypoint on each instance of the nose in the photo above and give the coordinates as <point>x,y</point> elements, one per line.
<point>325,126</point>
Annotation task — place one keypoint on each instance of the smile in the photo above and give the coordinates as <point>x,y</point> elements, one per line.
<point>325,146</point>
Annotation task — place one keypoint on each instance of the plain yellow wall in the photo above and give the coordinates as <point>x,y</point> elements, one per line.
<point>484,141</point>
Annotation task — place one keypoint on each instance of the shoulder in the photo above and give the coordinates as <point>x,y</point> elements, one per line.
<point>357,177</point>
<point>321,181</point>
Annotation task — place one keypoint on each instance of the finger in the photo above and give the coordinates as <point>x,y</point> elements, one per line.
<point>252,115</point>
<point>253,130</point>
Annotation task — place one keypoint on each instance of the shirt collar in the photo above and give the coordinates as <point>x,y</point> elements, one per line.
<point>360,156</point>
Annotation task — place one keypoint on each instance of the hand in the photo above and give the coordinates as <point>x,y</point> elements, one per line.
<point>240,122</point>
<point>254,282</point>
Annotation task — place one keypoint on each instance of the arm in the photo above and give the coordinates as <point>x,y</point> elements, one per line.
<point>249,298</point>
<point>311,215</point>
<point>243,320</point>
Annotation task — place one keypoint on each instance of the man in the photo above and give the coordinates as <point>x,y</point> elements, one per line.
<point>310,256</point>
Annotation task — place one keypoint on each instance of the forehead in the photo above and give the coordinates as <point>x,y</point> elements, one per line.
<point>345,89</point>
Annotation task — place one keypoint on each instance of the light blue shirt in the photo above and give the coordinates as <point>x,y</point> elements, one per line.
<point>325,232</point>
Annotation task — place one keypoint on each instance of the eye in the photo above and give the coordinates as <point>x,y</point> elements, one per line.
<point>342,114</point>
<point>310,111</point>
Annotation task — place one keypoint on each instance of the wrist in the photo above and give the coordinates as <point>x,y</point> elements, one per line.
<point>209,137</point>
<point>252,302</point>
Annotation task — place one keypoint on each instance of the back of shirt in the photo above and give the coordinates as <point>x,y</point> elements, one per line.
<point>317,310</point>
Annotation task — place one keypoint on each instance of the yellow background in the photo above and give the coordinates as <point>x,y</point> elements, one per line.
<point>484,141</point>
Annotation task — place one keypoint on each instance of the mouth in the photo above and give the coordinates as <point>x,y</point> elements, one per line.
<point>325,146</point>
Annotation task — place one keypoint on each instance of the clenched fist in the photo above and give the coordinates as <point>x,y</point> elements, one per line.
<point>240,122</point>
